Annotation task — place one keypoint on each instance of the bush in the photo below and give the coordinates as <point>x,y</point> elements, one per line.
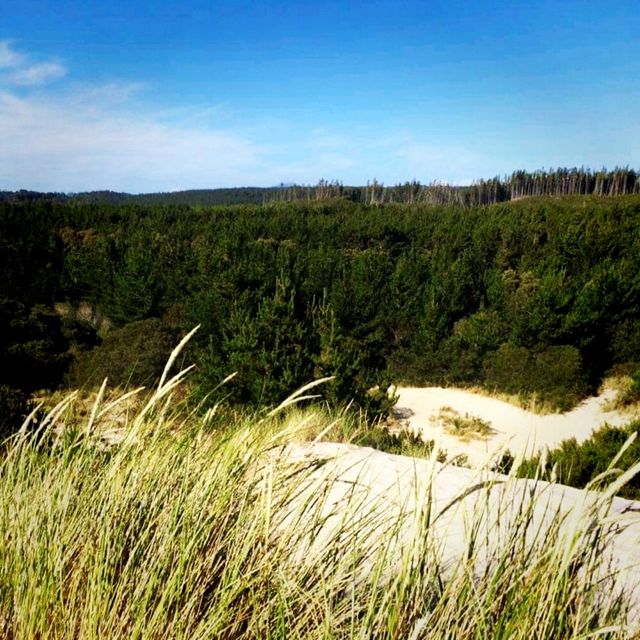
<point>578,464</point>
<point>132,355</point>
<point>508,368</point>
<point>80,334</point>
<point>464,426</point>
<point>472,338</point>
<point>625,341</point>
<point>400,443</point>
<point>634,388</point>
<point>554,374</point>
<point>33,349</point>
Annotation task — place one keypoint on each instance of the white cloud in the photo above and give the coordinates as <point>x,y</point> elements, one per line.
<point>100,137</point>
<point>24,72</point>
<point>37,74</point>
<point>86,137</point>
<point>74,145</point>
<point>8,57</point>
<point>81,137</point>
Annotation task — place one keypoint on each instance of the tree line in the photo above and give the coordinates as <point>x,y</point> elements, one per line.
<point>520,184</point>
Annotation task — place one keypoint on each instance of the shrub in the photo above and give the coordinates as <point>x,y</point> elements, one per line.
<point>558,376</point>
<point>464,426</point>
<point>134,354</point>
<point>625,341</point>
<point>634,387</point>
<point>554,374</point>
<point>33,349</point>
<point>472,338</point>
<point>578,464</point>
<point>400,443</point>
<point>508,368</point>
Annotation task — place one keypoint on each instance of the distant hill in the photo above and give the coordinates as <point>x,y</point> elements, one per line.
<point>193,197</point>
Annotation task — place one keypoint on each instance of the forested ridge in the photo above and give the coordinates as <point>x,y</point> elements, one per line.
<point>539,295</point>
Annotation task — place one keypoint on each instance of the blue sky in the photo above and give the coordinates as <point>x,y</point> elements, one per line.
<point>146,96</point>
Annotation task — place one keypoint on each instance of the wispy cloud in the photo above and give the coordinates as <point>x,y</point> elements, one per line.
<point>76,137</point>
<point>38,74</point>
<point>71,136</point>
<point>24,71</point>
<point>63,144</point>
<point>8,57</point>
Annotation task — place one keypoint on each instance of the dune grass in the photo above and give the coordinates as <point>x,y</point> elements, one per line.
<point>465,427</point>
<point>531,401</point>
<point>197,526</point>
<point>626,387</point>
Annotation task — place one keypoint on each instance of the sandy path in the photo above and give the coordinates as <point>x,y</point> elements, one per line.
<point>516,429</point>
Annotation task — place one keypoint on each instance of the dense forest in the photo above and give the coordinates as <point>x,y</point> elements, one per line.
<point>538,295</point>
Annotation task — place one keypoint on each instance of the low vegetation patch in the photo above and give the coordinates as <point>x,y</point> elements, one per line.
<point>465,426</point>
<point>579,464</point>
<point>626,385</point>
<point>531,402</point>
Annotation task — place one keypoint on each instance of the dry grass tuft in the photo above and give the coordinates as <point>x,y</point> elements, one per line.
<point>465,426</point>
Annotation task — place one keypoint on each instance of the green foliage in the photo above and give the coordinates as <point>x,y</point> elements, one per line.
<point>80,334</point>
<point>538,296</point>
<point>554,374</point>
<point>634,389</point>
<point>631,394</point>
<point>401,443</point>
<point>578,464</point>
<point>343,359</point>
<point>625,341</point>
<point>136,283</point>
<point>267,350</point>
<point>132,355</point>
<point>473,337</point>
<point>33,348</point>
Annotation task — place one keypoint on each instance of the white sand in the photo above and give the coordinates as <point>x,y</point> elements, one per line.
<point>360,483</point>
<point>516,429</point>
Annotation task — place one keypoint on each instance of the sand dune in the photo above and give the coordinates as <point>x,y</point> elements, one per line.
<point>516,429</point>
<point>360,484</point>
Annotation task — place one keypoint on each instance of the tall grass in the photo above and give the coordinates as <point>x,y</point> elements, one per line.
<point>223,527</point>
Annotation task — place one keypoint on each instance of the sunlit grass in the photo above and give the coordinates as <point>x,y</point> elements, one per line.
<point>624,399</point>
<point>230,526</point>
<point>466,427</point>
<point>528,401</point>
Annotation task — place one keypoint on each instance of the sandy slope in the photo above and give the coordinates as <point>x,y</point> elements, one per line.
<point>360,484</point>
<point>519,430</point>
